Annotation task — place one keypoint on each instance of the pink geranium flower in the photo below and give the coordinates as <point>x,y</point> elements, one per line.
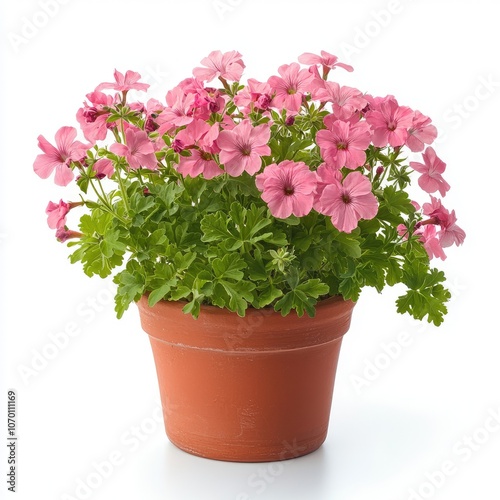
<point>349,202</point>
<point>63,234</point>
<point>138,150</point>
<point>325,175</point>
<point>198,133</point>
<point>56,214</point>
<point>390,122</point>
<point>228,66</point>
<point>59,158</point>
<point>93,118</point>
<point>256,94</point>
<point>345,100</point>
<point>431,179</point>
<point>420,133</point>
<point>450,233</point>
<point>243,146</point>
<point>199,162</point>
<point>179,110</point>
<point>290,86</point>
<point>200,137</point>
<point>325,59</point>
<point>124,83</point>
<point>433,246</point>
<point>104,168</point>
<point>344,144</point>
<point>287,188</point>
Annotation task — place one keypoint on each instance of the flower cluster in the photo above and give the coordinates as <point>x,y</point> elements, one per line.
<point>323,165</point>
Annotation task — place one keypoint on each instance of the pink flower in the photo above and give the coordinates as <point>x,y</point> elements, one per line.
<point>325,59</point>
<point>201,137</point>
<point>93,118</point>
<point>153,109</point>
<point>432,168</point>
<point>179,110</point>
<point>420,133</point>
<point>349,202</point>
<point>390,122</point>
<point>432,244</point>
<point>243,146</point>
<point>436,210</point>
<point>59,158</point>
<point>290,87</point>
<point>103,168</point>
<point>428,238</point>
<point>287,188</point>
<point>326,175</point>
<point>198,133</point>
<point>63,234</point>
<point>346,100</point>
<point>138,150</point>
<point>124,83</point>
<point>450,233</point>
<point>344,144</point>
<point>228,66</point>
<point>57,214</point>
<point>200,162</point>
<point>208,100</point>
<point>256,94</point>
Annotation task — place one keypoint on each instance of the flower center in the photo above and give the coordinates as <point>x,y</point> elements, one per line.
<point>289,190</point>
<point>346,198</point>
<point>204,155</point>
<point>392,126</point>
<point>291,91</point>
<point>341,145</point>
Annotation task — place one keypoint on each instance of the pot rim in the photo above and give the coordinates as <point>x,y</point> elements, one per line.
<point>259,330</point>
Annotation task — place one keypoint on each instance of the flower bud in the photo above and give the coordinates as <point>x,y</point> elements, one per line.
<point>177,146</point>
<point>150,125</point>
<point>263,102</point>
<point>290,120</point>
<point>63,234</point>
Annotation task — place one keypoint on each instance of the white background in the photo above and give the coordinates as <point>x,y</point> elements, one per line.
<point>388,435</point>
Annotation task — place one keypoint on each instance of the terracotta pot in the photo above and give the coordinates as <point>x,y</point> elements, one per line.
<point>252,389</point>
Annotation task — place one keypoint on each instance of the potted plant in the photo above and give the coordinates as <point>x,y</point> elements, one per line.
<point>245,219</point>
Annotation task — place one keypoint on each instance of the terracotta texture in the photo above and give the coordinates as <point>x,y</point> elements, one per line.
<point>250,389</point>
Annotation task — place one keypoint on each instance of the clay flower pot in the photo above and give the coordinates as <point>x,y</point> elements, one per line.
<point>250,389</point>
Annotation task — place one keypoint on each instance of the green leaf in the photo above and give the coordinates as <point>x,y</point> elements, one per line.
<point>158,294</point>
<point>394,272</point>
<point>302,298</point>
<point>313,288</point>
<point>426,295</point>
<point>269,295</point>
<point>131,285</point>
<point>348,245</point>
<point>239,294</point>
<point>397,201</point>
<point>214,228</point>
<point>180,292</point>
<point>229,267</point>
<point>193,307</point>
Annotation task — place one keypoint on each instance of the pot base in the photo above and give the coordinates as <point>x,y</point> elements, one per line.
<point>247,453</point>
